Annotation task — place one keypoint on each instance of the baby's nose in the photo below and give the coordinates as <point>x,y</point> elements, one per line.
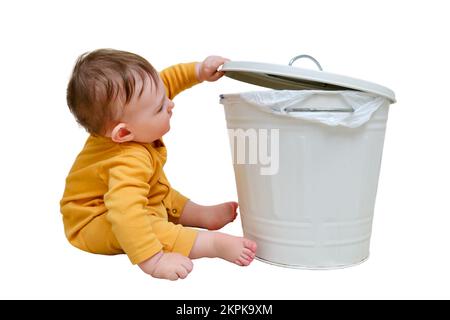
<point>170,106</point>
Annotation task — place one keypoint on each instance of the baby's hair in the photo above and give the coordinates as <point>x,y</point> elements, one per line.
<point>101,79</point>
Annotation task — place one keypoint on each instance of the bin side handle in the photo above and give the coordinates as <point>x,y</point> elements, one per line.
<point>306,56</point>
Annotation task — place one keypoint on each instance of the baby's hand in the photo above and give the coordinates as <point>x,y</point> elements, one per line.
<point>207,70</point>
<point>171,266</point>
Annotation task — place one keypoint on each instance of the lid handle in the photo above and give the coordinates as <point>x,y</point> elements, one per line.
<point>306,56</point>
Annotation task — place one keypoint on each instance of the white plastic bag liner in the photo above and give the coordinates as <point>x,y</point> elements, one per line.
<point>353,110</point>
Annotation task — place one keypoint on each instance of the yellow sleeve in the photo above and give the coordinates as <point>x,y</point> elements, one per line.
<point>175,204</point>
<point>178,78</point>
<point>126,201</point>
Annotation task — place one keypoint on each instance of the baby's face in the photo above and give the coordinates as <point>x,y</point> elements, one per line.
<point>148,116</point>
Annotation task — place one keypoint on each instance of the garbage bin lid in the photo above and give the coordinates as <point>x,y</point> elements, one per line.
<point>287,77</point>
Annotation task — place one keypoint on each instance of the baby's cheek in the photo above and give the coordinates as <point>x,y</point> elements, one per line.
<point>167,127</point>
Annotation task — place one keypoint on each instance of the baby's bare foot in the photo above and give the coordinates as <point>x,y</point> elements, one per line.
<point>238,250</point>
<point>219,215</point>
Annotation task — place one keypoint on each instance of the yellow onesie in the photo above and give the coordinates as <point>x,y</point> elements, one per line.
<point>117,198</point>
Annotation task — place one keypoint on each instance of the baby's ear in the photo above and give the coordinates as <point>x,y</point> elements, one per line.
<point>120,133</point>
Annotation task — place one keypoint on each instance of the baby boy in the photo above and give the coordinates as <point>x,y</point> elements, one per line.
<point>117,198</point>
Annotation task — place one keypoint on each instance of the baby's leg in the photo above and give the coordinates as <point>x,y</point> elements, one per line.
<point>209,244</point>
<point>208,217</point>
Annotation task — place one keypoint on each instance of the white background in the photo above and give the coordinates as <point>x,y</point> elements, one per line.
<point>399,44</point>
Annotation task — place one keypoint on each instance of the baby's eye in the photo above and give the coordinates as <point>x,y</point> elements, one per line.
<point>162,107</point>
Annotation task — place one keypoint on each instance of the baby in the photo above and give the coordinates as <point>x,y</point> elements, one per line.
<point>117,198</point>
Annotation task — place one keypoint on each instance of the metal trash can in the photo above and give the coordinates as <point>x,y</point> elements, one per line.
<point>306,158</point>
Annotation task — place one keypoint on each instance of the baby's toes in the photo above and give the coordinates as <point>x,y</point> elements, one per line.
<point>249,244</point>
<point>247,257</point>
<point>243,262</point>
<point>234,206</point>
<point>248,252</point>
